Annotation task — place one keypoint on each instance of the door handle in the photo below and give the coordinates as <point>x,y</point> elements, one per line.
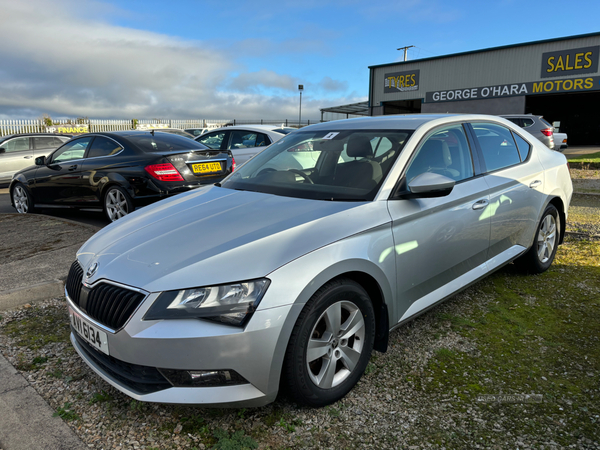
<point>73,167</point>
<point>28,157</point>
<point>480,204</point>
<point>535,184</point>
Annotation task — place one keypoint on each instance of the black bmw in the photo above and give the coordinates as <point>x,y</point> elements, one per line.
<point>117,171</point>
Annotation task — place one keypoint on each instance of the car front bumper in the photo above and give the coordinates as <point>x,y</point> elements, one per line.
<point>144,348</point>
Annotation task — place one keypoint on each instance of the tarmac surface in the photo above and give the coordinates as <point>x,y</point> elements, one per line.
<point>36,253</point>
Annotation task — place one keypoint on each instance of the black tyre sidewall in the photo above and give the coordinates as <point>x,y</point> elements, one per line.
<point>299,383</point>
<point>127,199</point>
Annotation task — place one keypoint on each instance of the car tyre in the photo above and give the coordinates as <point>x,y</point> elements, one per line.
<point>23,202</point>
<point>117,203</point>
<point>330,344</point>
<point>547,236</point>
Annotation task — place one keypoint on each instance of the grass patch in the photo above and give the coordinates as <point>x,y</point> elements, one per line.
<point>40,328</point>
<point>591,158</point>
<point>66,413</point>
<point>539,335</point>
<point>234,441</point>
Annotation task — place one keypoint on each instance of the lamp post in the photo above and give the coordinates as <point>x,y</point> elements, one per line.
<point>300,89</point>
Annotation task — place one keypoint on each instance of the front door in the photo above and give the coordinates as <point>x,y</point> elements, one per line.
<point>59,181</point>
<point>440,244</point>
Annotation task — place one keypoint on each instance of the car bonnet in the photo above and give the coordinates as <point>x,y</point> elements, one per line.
<point>215,235</point>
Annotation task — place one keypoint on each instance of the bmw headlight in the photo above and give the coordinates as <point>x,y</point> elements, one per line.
<point>229,303</point>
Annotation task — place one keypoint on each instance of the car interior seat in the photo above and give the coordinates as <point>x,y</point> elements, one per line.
<point>362,173</point>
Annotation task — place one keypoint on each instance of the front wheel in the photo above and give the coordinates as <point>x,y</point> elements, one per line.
<point>541,254</point>
<point>331,344</point>
<point>21,199</point>
<point>117,203</point>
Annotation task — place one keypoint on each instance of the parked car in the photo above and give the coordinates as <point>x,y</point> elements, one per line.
<point>292,277</point>
<point>196,131</point>
<point>117,171</point>
<point>176,131</point>
<point>560,141</point>
<point>244,141</point>
<point>18,151</point>
<point>535,125</point>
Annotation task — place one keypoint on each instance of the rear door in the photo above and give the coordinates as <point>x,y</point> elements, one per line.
<point>515,179</point>
<point>17,155</point>
<point>244,144</point>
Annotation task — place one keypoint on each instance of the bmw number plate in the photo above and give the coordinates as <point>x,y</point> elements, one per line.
<point>203,168</point>
<point>91,333</point>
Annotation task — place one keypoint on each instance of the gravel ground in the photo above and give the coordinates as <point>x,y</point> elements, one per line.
<point>389,408</point>
<point>586,180</point>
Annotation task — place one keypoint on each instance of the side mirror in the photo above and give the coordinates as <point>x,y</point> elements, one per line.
<point>40,161</point>
<point>428,185</point>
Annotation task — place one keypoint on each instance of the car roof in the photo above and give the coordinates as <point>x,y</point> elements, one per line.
<point>249,127</point>
<point>2,138</point>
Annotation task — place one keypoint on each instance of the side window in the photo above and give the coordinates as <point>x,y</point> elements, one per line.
<point>103,147</point>
<point>213,140</point>
<point>523,146</point>
<point>527,123</point>
<point>242,139</point>
<point>446,152</point>
<point>516,121</point>
<point>71,150</point>
<point>16,145</point>
<point>40,142</point>
<point>497,146</point>
<point>262,140</point>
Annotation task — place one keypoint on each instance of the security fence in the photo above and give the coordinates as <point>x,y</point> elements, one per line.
<point>41,126</point>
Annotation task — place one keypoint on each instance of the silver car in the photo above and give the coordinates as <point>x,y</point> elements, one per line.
<point>244,141</point>
<point>292,277</point>
<point>18,151</point>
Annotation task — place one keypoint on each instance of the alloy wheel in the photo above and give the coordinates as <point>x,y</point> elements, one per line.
<point>21,200</point>
<point>335,345</point>
<point>116,204</point>
<point>546,239</point>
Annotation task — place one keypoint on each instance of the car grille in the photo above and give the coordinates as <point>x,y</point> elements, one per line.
<point>140,379</point>
<point>107,304</point>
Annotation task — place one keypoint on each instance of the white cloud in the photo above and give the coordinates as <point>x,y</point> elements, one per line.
<point>64,59</point>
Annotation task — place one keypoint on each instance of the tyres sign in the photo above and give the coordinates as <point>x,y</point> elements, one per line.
<point>401,82</point>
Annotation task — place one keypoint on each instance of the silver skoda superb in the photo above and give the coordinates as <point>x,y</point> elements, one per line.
<point>299,264</point>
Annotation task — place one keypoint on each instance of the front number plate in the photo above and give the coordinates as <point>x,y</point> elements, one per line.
<point>203,168</point>
<point>91,333</point>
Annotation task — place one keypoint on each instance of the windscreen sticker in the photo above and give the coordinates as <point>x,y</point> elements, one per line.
<point>331,135</point>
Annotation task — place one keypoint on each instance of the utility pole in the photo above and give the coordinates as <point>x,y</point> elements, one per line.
<point>405,50</point>
<point>300,89</point>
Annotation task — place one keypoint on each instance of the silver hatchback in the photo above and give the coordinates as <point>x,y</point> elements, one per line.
<point>292,276</point>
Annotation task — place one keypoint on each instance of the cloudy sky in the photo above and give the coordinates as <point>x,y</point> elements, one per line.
<point>214,60</point>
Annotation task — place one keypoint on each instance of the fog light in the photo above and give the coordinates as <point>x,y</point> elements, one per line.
<point>202,378</point>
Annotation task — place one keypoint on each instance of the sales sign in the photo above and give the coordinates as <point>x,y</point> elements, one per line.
<point>570,62</point>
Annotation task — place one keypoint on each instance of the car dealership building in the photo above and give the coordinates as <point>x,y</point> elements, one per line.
<point>556,78</point>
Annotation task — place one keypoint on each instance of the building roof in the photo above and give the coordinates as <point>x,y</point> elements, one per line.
<point>357,109</point>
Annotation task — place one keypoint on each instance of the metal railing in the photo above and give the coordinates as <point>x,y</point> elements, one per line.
<point>39,125</point>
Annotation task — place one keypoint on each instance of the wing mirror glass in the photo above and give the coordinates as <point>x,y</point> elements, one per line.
<point>40,161</point>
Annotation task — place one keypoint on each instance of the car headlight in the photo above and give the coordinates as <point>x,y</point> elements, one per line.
<point>229,303</point>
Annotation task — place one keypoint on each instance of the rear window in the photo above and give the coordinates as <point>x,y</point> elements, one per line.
<point>164,142</point>
<point>545,123</point>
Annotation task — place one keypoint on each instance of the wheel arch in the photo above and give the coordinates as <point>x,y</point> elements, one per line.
<point>557,202</point>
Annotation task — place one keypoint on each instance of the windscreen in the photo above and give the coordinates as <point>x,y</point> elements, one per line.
<point>164,142</point>
<point>324,165</point>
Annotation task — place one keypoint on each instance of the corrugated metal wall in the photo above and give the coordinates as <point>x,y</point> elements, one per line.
<point>517,64</point>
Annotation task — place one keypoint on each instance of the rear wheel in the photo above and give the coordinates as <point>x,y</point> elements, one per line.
<point>117,203</point>
<point>331,344</point>
<point>21,199</point>
<point>541,254</point>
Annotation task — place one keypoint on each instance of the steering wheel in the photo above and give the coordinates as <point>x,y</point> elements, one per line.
<point>265,171</point>
<point>302,174</point>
